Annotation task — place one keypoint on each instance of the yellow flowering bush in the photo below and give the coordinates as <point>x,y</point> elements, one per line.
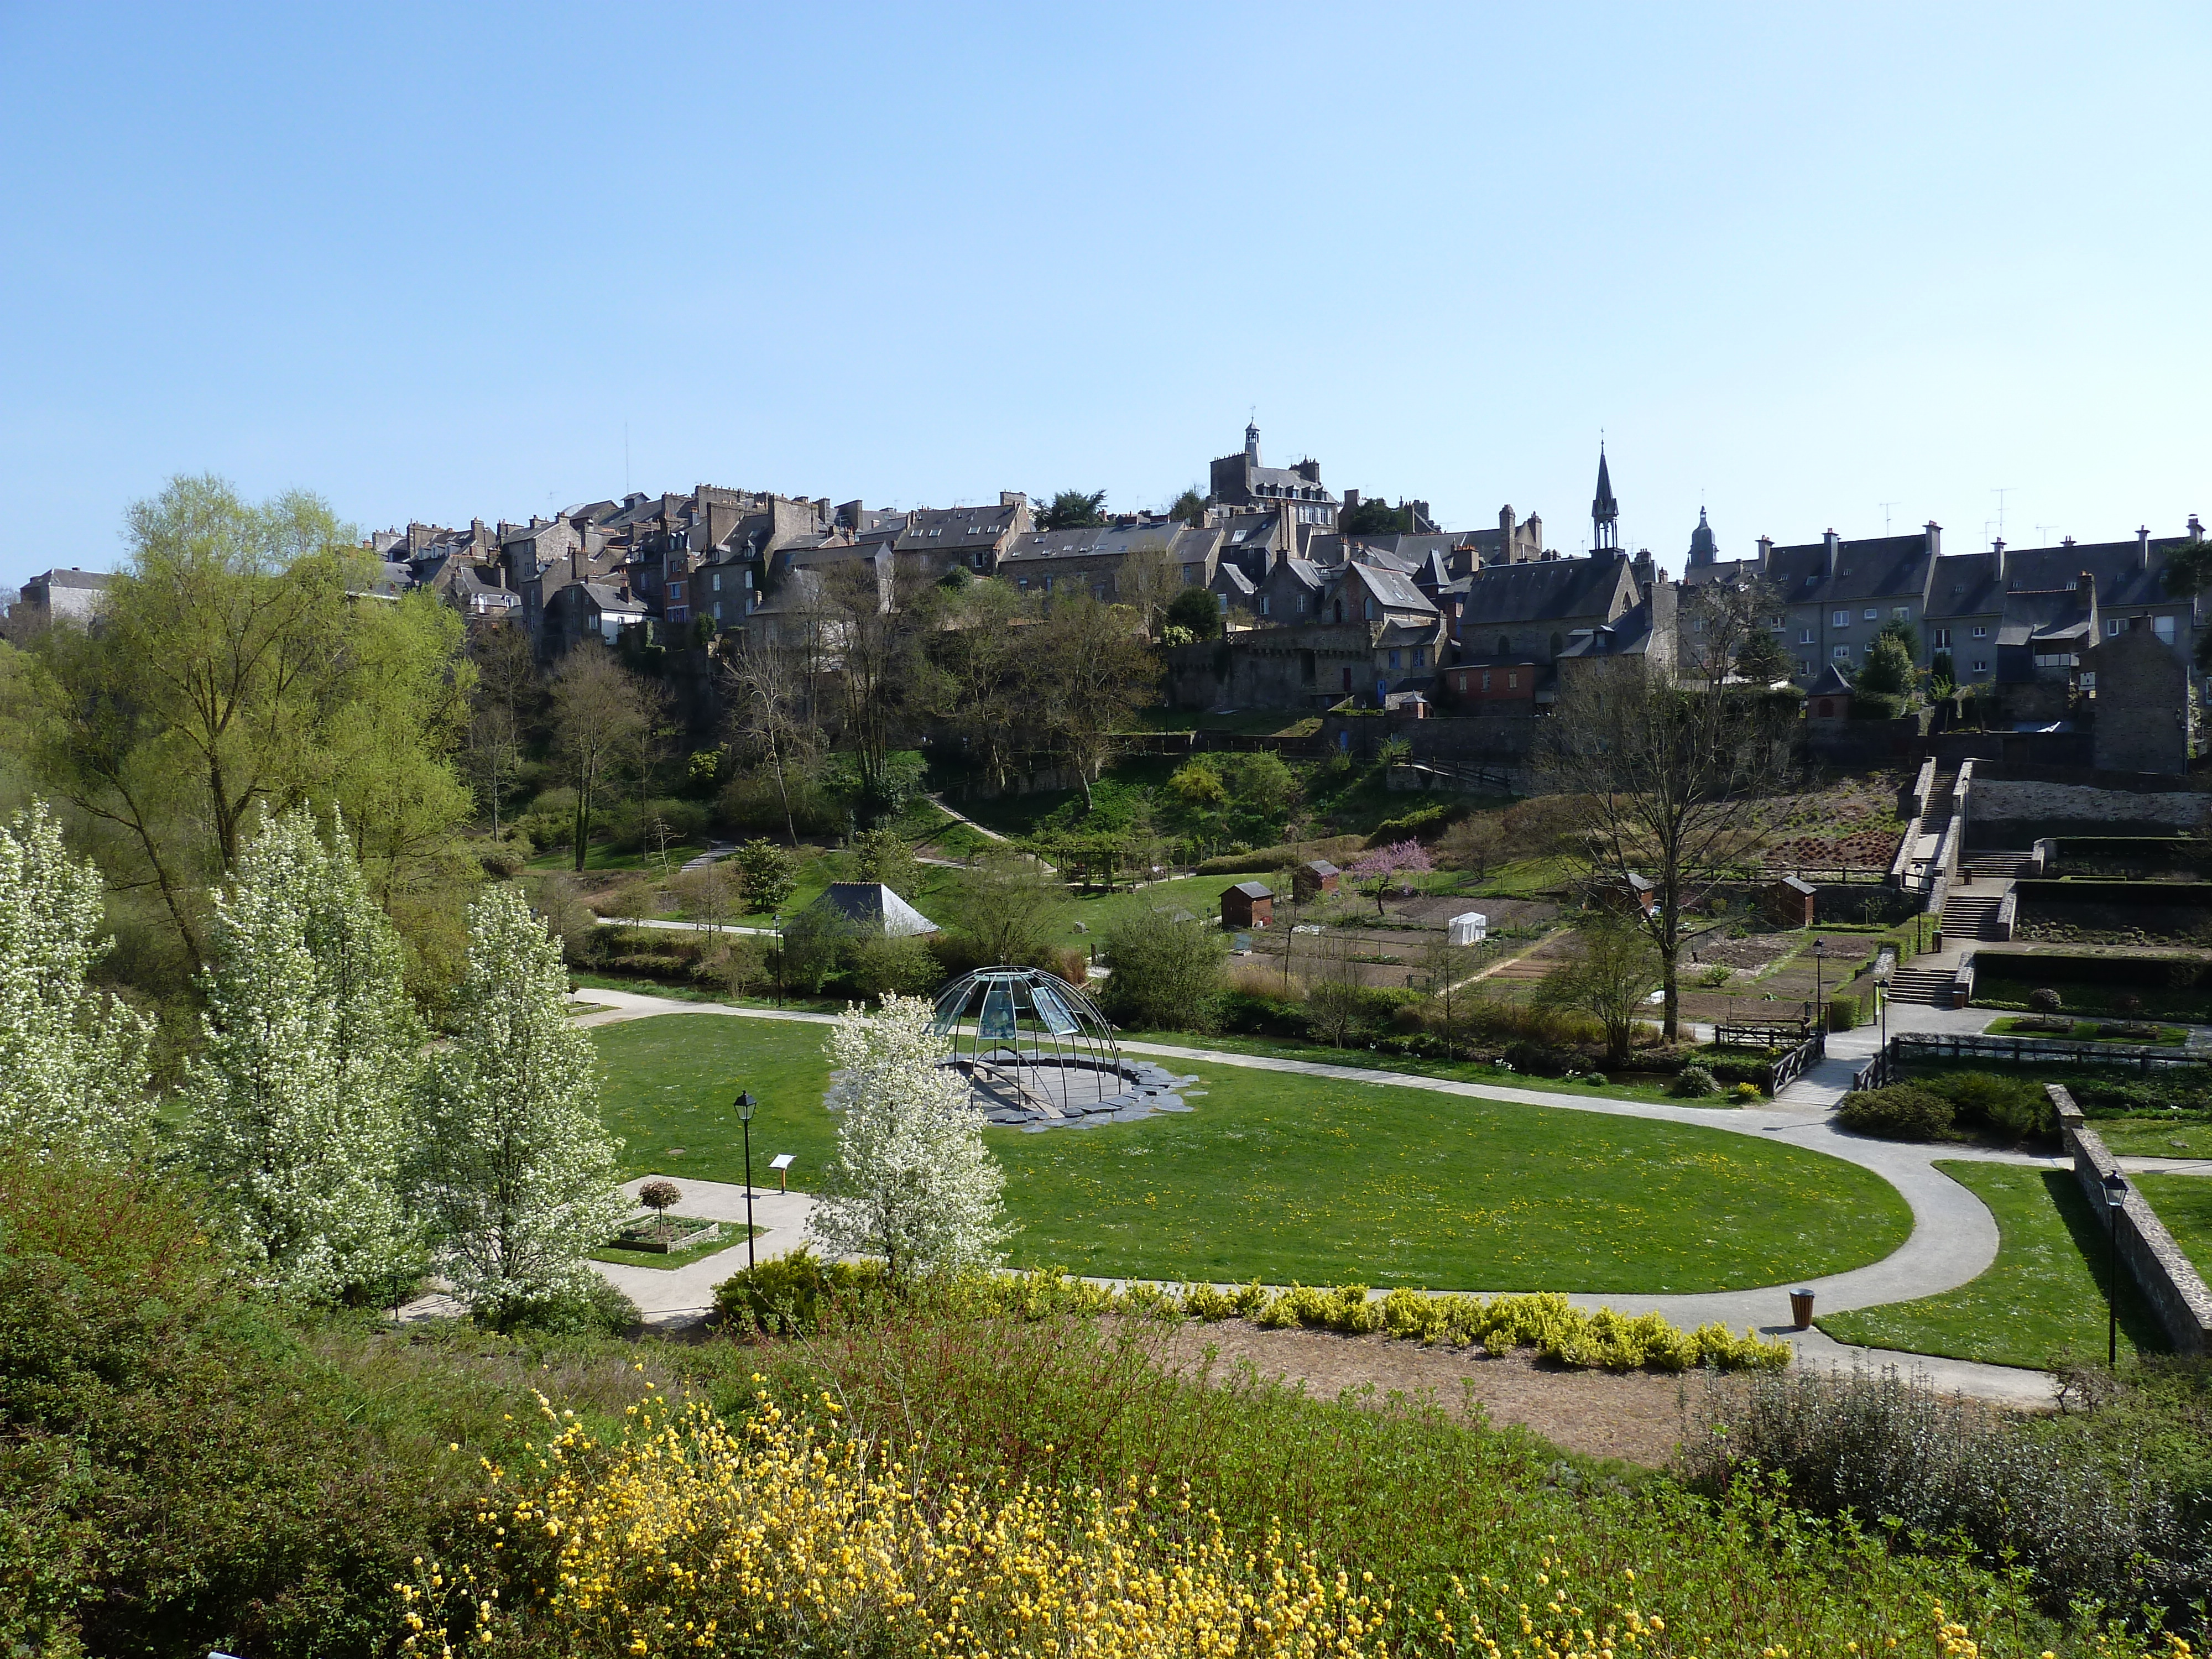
<point>1547,1323</point>
<point>682,1535</point>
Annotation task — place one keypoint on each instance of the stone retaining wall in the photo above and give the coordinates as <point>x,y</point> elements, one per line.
<point>2169,1280</point>
<point>2009,811</point>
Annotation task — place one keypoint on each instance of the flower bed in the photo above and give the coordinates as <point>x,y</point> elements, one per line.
<point>665,1236</point>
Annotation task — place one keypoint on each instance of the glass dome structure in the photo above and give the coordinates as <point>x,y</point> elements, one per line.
<point>1033,1047</point>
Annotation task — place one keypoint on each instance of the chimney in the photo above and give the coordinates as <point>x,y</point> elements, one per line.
<point>1934,539</point>
<point>1351,501</point>
<point>1505,530</point>
<point>2086,586</point>
<point>2066,541</point>
<point>2196,529</point>
<point>1997,559</point>
<point>1828,551</point>
<point>1765,553</point>
<point>1534,526</point>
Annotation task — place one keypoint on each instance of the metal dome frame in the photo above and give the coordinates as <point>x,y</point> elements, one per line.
<point>1001,1019</point>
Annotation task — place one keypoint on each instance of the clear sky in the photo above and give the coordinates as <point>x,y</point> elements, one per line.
<point>448,261</point>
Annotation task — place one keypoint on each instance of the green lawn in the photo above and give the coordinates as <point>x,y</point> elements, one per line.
<point>2042,1299</point>
<point>2183,1202</point>
<point>2155,1137</point>
<point>2084,1031</point>
<point>1284,1178</point>
<point>733,1235</point>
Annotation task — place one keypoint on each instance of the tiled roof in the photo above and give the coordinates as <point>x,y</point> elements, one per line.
<point>1548,590</point>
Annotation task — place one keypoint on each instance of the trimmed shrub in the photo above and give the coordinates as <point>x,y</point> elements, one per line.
<point>2045,1000</point>
<point>1693,1082</point>
<point>1843,1013</point>
<point>2009,1105</point>
<point>1900,1112</point>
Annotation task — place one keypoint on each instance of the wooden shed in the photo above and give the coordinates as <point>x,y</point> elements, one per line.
<point>1789,902</point>
<point>1314,878</point>
<point>1248,904</point>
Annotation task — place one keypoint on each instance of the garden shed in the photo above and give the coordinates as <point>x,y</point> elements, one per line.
<point>1789,901</point>
<point>1314,878</point>
<point>1248,904</point>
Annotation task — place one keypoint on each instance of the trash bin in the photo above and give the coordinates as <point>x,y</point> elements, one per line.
<point>1801,1308</point>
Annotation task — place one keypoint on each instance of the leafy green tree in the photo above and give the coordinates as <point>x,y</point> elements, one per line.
<point>604,719</point>
<point>1073,509</point>
<point>72,1062</point>
<point>234,670</point>
<point>981,673</point>
<point>1610,976</point>
<point>1010,905</point>
<point>912,1181</point>
<point>764,876</point>
<point>1189,506</point>
<point>1762,658</point>
<point>1197,610</point>
<point>882,855</point>
<point>1168,974</point>
<point>516,1176</point>
<point>1260,783</point>
<point>1375,517</point>
<point>298,1098</point>
<point>1888,670</point>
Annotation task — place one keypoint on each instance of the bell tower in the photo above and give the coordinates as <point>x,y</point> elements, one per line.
<point>1605,512</point>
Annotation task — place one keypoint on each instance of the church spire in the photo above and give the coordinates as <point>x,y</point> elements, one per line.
<point>1605,512</point>
<point>1702,549</point>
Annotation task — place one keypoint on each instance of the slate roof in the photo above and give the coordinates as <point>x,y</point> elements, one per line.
<point>1548,590</point>
<point>1967,583</point>
<point>1305,573</point>
<point>872,905</point>
<point>1104,541</point>
<point>75,578</point>
<point>955,529</point>
<point>611,598</point>
<point>1253,889</point>
<point>1394,590</point>
<point>1834,681</point>
<point>1876,567</point>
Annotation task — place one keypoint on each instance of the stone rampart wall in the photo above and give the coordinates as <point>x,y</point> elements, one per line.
<point>2170,1282</point>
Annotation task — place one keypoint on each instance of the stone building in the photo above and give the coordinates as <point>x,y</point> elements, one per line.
<point>2140,697</point>
<point>64,596</point>
<point>1240,480</point>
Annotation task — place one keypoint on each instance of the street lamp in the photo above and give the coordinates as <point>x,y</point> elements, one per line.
<point>1819,956</point>
<point>745,1105</point>
<point>2115,1196</point>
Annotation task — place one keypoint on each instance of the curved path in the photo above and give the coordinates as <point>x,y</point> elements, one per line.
<point>1954,1238</point>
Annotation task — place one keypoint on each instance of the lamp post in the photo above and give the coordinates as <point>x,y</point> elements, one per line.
<point>1819,1004</point>
<point>745,1105</point>
<point>2115,1196</point>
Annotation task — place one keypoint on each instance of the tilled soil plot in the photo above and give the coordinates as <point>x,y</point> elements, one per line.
<point>1637,1416</point>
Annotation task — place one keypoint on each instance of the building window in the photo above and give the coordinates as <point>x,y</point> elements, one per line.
<point>1980,666</point>
<point>1843,651</point>
<point>1841,619</point>
<point>1394,659</point>
<point>1942,639</point>
<point>1302,604</point>
<point>718,581</point>
<point>2163,627</point>
<point>1263,604</point>
<point>679,614</point>
<point>1873,613</point>
<point>2089,679</point>
<point>676,593</point>
<point>2114,626</point>
<point>1981,633</point>
<point>1420,656</point>
<point>1902,613</point>
<point>1371,610</point>
<point>1804,637</point>
<point>1485,679</point>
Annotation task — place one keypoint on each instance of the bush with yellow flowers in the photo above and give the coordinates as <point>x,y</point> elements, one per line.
<point>680,1534</point>
<point>793,1292</point>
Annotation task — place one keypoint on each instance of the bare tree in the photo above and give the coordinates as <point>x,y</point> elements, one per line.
<point>768,691</point>
<point>1149,579</point>
<point>601,717</point>
<point>507,693</point>
<point>981,681</point>
<point>1096,671</point>
<point>1668,776</point>
<point>1609,976</point>
<point>872,627</point>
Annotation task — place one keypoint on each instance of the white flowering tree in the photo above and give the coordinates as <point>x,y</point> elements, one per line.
<point>517,1180</point>
<point>72,1061</point>
<point>912,1182</point>
<point>299,1095</point>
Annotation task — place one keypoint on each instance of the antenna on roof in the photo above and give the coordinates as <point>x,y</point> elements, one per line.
<point>1885,506</point>
<point>2042,532</point>
<point>2001,495</point>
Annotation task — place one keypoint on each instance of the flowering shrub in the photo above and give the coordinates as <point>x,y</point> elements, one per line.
<point>684,1535</point>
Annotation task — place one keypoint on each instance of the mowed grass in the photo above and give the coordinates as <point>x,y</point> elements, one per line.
<point>2155,1137</point>
<point>2042,1300</point>
<point>1287,1178</point>
<point>2183,1202</point>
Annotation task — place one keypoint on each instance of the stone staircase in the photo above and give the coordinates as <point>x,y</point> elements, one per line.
<point>1998,866</point>
<point>1930,987</point>
<point>1969,915</point>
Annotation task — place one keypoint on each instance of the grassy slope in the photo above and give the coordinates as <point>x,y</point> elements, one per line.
<point>1284,1178</point>
<point>2044,1297</point>
<point>2183,1202</point>
<point>2155,1137</point>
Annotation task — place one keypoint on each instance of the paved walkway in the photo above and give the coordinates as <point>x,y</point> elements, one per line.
<point>1954,1238</point>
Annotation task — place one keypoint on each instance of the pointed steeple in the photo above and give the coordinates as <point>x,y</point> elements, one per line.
<point>1702,549</point>
<point>1605,512</point>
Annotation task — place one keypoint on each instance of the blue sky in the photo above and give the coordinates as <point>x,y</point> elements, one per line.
<point>434,262</point>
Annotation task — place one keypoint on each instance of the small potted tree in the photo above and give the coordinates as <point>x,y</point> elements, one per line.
<point>660,1197</point>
